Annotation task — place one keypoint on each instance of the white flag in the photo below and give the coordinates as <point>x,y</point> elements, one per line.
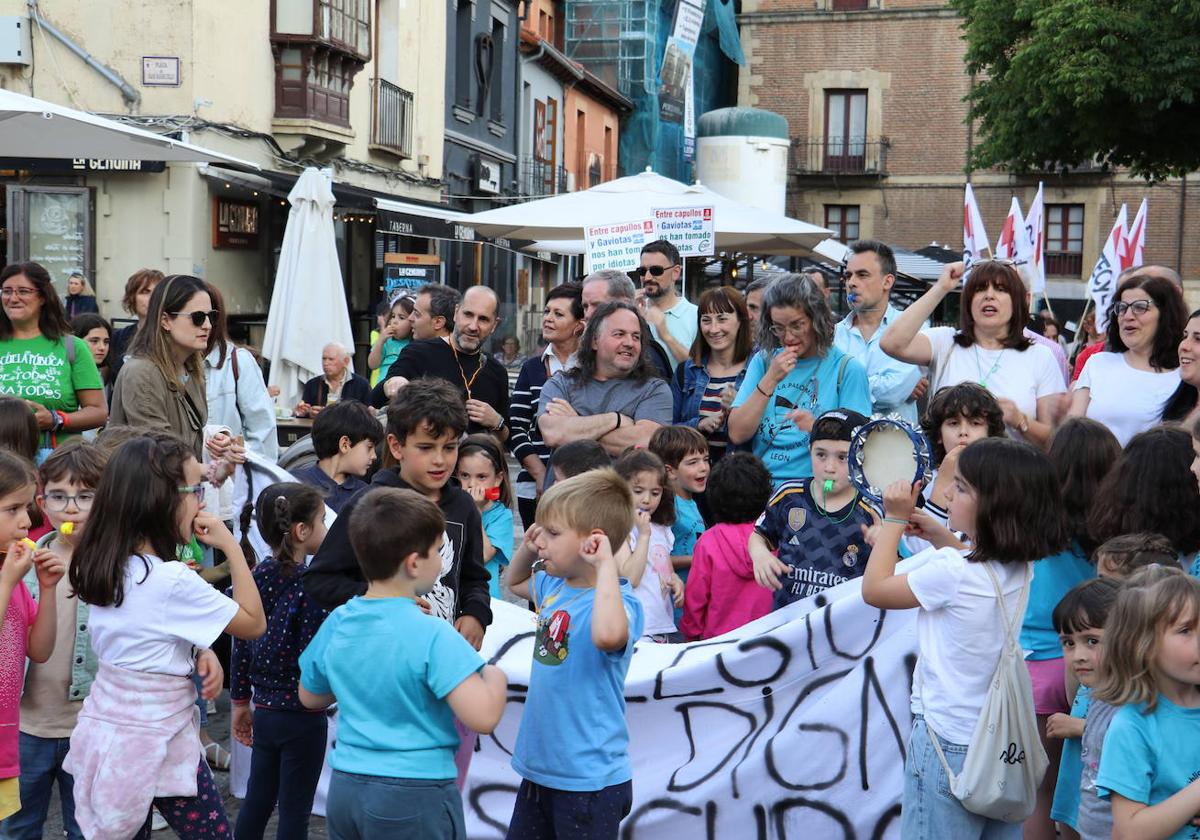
<point>1134,246</point>
<point>1012,236</point>
<point>975,239</point>
<point>1035,250</point>
<point>1103,281</point>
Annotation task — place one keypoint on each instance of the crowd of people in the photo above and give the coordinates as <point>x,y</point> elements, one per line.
<point>681,471</point>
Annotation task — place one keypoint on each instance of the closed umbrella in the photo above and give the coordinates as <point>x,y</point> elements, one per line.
<point>739,227</point>
<point>308,303</point>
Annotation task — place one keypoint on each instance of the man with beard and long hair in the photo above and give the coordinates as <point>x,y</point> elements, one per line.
<point>482,380</point>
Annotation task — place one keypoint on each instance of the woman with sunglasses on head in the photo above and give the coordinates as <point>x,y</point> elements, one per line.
<point>795,376</point>
<point>1127,386</point>
<point>44,364</point>
<point>989,346</point>
<point>161,386</point>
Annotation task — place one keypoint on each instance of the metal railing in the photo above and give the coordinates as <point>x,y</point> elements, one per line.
<point>840,156</point>
<point>539,177</point>
<point>392,117</point>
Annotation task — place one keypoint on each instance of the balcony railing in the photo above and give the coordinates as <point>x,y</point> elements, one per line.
<point>1064,264</point>
<point>840,156</point>
<point>538,177</point>
<point>392,118</point>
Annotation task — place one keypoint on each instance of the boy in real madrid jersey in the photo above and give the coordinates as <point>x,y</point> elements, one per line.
<point>572,749</point>
<point>815,525</point>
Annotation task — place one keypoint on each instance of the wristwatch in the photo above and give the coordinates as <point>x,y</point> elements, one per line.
<point>499,424</point>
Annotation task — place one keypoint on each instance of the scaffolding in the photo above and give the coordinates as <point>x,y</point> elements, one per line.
<point>617,40</point>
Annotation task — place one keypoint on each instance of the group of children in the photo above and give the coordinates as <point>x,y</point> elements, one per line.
<point>657,545</point>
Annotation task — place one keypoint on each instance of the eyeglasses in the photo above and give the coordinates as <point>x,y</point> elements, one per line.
<point>19,291</point>
<point>198,318</point>
<point>196,489</point>
<point>1138,308</point>
<point>655,270</point>
<point>798,329</point>
<point>57,501</point>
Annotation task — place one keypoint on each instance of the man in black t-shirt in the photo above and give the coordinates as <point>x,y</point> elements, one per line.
<point>461,361</point>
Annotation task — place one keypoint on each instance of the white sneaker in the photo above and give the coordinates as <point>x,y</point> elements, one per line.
<point>157,821</point>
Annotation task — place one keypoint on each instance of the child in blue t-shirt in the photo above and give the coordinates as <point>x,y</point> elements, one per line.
<point>1079,620</point>
<point>815,524</point>
<point>1150,766</point>
<point>400,677</point>
<point>572,750</point>
<point>684,451</point>
<point>483,473</point>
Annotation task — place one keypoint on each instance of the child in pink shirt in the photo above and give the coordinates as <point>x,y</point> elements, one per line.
<point>26,630</point>
<point>721,594</point>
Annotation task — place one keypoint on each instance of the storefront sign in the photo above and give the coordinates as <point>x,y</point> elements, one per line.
<point>617,245</point>
<point>409,272</point>
<point>160,71</point>
<point>690,229</point>
<point>235,224</point>
<point>71,165</point>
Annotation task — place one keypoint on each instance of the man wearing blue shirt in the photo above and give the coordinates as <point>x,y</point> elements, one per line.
<point>895,386</point>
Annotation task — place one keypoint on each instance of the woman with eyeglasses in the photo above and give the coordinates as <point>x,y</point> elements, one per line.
<point>796,375</point>
<point>41,362</point>
<point>988,347</point>
<point>1127,386</point>
<point>705,383</point>
<point>161,386</point>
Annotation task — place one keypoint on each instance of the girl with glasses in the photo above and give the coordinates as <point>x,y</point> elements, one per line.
<point>44,364</point>
<point>1127,386</point>
<point>161,387</point>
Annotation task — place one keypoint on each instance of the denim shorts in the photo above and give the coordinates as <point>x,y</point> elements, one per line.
<point>383,808</point>
<point>930,811</point>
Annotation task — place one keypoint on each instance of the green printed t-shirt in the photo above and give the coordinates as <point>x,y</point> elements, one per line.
<point>36,369</point>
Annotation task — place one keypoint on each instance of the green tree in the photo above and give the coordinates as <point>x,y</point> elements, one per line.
<point>1060,82</point>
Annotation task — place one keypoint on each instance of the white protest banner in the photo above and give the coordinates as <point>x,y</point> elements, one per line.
<point>1035,243</point>
<point>796,725</point>
<point>1101,284</point>
<point>1009,246</point>
<point>1134,246</point>
<point>690,229</point>
<point>617,245</point>
<point>975,238</point>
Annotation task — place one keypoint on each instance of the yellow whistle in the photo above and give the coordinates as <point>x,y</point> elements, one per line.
<point>29,543</point>
<point>66,529</point>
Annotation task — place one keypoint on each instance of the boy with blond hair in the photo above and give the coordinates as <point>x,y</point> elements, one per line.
<point>572,750</point>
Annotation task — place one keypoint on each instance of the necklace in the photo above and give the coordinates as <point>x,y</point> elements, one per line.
<point>467,383</point>
<point>983,378</point>
<point>824,513</point>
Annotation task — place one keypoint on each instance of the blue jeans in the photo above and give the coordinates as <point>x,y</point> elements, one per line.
<point>41,766</point>
<point>285,765</point>
<point>543,813</point>
<point>929,809</point>
<point>383,808</point>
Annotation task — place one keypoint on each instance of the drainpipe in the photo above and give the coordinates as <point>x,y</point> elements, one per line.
<point>131,96</point>
<point>1182,216</point>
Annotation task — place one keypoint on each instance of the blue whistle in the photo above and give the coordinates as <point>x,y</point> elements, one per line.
<point>851,298</point>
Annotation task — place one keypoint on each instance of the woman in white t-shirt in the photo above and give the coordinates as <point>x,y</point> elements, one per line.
<point>989,347</point>
<point>1127,387</point>
<point>137,743</point>
<point>1007,501</point>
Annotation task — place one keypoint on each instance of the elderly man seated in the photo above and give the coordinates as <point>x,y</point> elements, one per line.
<point>338,382</point>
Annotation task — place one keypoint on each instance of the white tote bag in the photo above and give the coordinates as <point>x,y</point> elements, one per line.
<point>1005,760</point>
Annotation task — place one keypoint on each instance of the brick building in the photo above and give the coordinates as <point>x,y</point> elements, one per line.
<point>873,93</point>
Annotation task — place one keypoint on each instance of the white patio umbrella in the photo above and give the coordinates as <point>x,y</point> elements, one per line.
<point>563,217</point>
<point>308,303</point>
<point>34,128</point>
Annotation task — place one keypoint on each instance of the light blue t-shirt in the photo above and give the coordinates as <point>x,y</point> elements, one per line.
<point>813,386</point>
<point>1150,757</point>
<point>1053,577</point>
<point>390,667</point>
<point>1070,767</point>
<point>573,734</point>
<point>498,525</point>
<point>687,527</point>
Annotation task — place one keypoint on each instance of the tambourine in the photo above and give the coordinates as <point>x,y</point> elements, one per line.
<point>885,451</point>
